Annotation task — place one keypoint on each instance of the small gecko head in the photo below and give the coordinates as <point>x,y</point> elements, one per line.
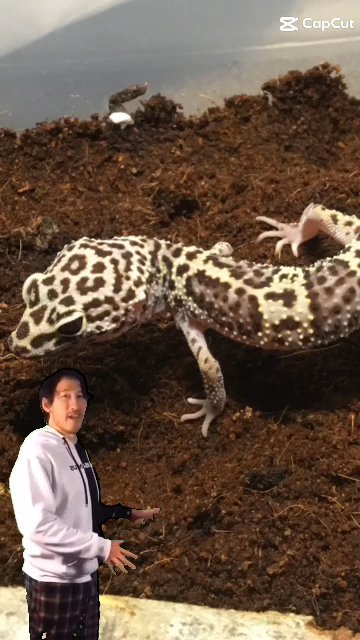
<point>94,291</point>
<point>46,325</point>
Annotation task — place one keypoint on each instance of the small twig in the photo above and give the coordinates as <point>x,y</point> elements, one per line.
<point>150,566</point>
<point>306,351</point>
<point>284,449</point>
<point>139,434</point>
<point>291,506</point>
<point>185,175</point>
<point>282,415</point>
<point>340,475</point>
<point>356,522</point>
<point>203,95</point>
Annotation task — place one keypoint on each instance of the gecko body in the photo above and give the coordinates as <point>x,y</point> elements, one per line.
<point>95,290</point>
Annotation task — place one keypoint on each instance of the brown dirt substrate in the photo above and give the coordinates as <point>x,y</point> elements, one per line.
<point>264,513</point>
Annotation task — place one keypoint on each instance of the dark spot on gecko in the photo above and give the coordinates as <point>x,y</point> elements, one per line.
<point>255,315</point>
<point>237,271</point>
<point>138,282</point>
<point>191,255</point>
<point>176,252</point>
<point>349,295</point>
<point>82,244</point>
<point>48,281</point>
<point>333,271</point>
<point>329,290</point>
<point>51,320</point>
<point>340,281</point>
<point>216,261</point>
<point>204,280</point>
<point>75,264</point>
<point>200,300</point>
<point>258,284</point>
<point>127,256</point>
<point>337,309</point>
<point>33,294</point>
<point>129,295</point>
<point>314,306</point>
<point>52,294</point>
<point>171,284</point>
<point>235,306</point>
<point>288,297</point>
<point>98,267</point>
<point>287,324</point>
<point>118,282</point>
<point>39,341</point>
<point>94,303</point>
<point>182,269</point>
<point>84,287</point>
<point>334,218</point>
<point>65,285</point>
<point>341,263</point>
<point>68,301</point>
<point>321,279</point>
<point>102,253</point>
<point>38,315</point>
<point>349,223</point>
<point>167,262</point>
<point>23,330</point>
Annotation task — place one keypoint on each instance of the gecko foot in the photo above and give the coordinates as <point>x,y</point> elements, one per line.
<point>289,233</point>
<point>206,410</point>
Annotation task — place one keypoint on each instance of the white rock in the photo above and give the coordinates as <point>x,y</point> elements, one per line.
<point>120,117</point>
<point>123,618</point>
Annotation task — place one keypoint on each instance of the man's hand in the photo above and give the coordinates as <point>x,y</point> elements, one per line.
<point>117,557</point>
<point>143,514</point>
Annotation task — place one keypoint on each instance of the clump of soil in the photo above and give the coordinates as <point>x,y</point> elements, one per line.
<point>265,512</point>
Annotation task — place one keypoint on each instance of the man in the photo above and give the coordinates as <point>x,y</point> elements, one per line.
<point>56,499</point>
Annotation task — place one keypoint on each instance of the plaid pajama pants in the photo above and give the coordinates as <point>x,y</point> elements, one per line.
<point>63,611</point>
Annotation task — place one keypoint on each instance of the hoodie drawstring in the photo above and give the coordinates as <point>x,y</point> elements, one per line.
<point>79,470</point>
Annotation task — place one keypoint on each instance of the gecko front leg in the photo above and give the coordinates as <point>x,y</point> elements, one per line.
<point>211,374</point>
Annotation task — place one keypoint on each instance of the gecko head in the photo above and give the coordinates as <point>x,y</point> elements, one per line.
<point>47,324</point>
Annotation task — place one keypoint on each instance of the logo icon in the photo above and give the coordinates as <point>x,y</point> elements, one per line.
<point>287,24</point>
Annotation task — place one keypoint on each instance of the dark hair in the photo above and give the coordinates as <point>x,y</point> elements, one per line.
<point>49,384</point>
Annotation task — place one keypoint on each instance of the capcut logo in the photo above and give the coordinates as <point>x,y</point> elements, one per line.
<point>289,24</point>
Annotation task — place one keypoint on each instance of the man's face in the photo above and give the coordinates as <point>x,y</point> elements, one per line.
<point>67,411</point>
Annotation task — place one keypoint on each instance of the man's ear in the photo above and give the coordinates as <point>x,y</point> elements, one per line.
<point>46,405</point>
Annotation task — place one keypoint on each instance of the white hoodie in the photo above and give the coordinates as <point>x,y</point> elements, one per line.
<point>52,512</point>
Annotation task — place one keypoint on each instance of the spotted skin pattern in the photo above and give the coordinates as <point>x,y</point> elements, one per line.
<point>96,290</point>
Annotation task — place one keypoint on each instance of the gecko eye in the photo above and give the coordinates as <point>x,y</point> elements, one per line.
<point>71,328</point>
